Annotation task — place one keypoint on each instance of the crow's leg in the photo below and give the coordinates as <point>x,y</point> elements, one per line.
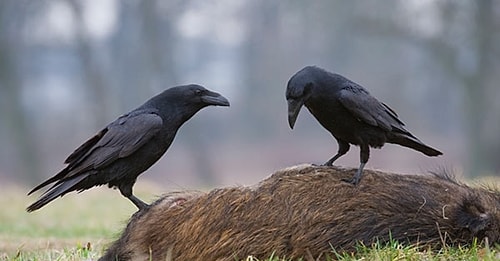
<point>364,155</point>
<point>138,203</point>
<point>343,149</point>
<point>126,190</point>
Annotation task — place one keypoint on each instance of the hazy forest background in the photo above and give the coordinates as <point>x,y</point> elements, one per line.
<point>68,67</point>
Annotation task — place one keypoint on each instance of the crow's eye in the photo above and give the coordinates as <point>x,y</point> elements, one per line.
<point>197,92</point>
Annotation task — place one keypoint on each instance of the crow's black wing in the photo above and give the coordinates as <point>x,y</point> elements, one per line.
<point>119,139</point>
<point>368,109</point>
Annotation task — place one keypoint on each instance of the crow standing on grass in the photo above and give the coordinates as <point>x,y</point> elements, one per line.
<point>349,113</point>
<point>129,145</point>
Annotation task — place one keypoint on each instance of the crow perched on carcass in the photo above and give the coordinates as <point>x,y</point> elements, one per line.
<point>349,113</point>
<point>128,146</point>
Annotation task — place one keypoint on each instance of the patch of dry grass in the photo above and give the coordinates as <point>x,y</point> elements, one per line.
<point>95,216</point>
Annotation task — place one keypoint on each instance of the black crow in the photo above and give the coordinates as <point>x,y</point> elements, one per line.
<point>128,146</point>
<point>349,113</point>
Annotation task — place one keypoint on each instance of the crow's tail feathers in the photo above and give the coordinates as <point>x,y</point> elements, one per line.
<point>411,141</point>
<point>59,189</point>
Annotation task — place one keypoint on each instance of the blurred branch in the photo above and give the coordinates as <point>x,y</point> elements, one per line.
<point>474,82</point>
<point>436,46</point>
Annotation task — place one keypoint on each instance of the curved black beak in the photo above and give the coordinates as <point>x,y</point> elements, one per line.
<point>213,98</point>
<point>293,110</point>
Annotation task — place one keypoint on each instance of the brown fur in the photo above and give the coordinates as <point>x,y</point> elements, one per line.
<point>305,211</point>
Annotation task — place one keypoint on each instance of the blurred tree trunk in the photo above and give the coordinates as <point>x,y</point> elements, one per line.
<point>158,43</point>
<point>476,85</point>
<point>475,80</point>
<point>93,72</point>
<point>261,62</point>
<point>15,121</point>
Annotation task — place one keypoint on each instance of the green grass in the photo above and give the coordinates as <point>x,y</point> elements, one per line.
<point>75,253</point>
<point>65,228</point>
<point>396,251</point>
<point>80,226</point>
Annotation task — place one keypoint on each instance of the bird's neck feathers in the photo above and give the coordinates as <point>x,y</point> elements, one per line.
<point>328,84</point>
<point>173,110</point>
<point>322,92</point>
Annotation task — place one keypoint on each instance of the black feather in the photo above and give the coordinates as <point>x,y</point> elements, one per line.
<point>129,145</point>
<point>349,113</point>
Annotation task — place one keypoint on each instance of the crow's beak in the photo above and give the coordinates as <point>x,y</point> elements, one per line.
<point>213,98</point>
<point>293,110</point>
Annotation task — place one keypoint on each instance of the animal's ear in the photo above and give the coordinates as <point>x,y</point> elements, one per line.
<point>473,216</point>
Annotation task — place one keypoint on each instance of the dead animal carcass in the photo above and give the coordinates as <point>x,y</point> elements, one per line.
<point>306,211</point>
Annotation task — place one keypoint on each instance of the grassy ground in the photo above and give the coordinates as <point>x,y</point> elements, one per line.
<point>75,227</point>
<point>79,227</point>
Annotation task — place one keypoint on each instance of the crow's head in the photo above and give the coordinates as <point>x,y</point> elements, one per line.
<point>298,91</point>
<point>193,96</point>
<point>184,101</point>
<point>196,94</point>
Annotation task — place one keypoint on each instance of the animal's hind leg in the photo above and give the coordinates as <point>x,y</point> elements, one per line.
<point>126,190</point>
<point>343,149</point>
<point>364,155</point>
